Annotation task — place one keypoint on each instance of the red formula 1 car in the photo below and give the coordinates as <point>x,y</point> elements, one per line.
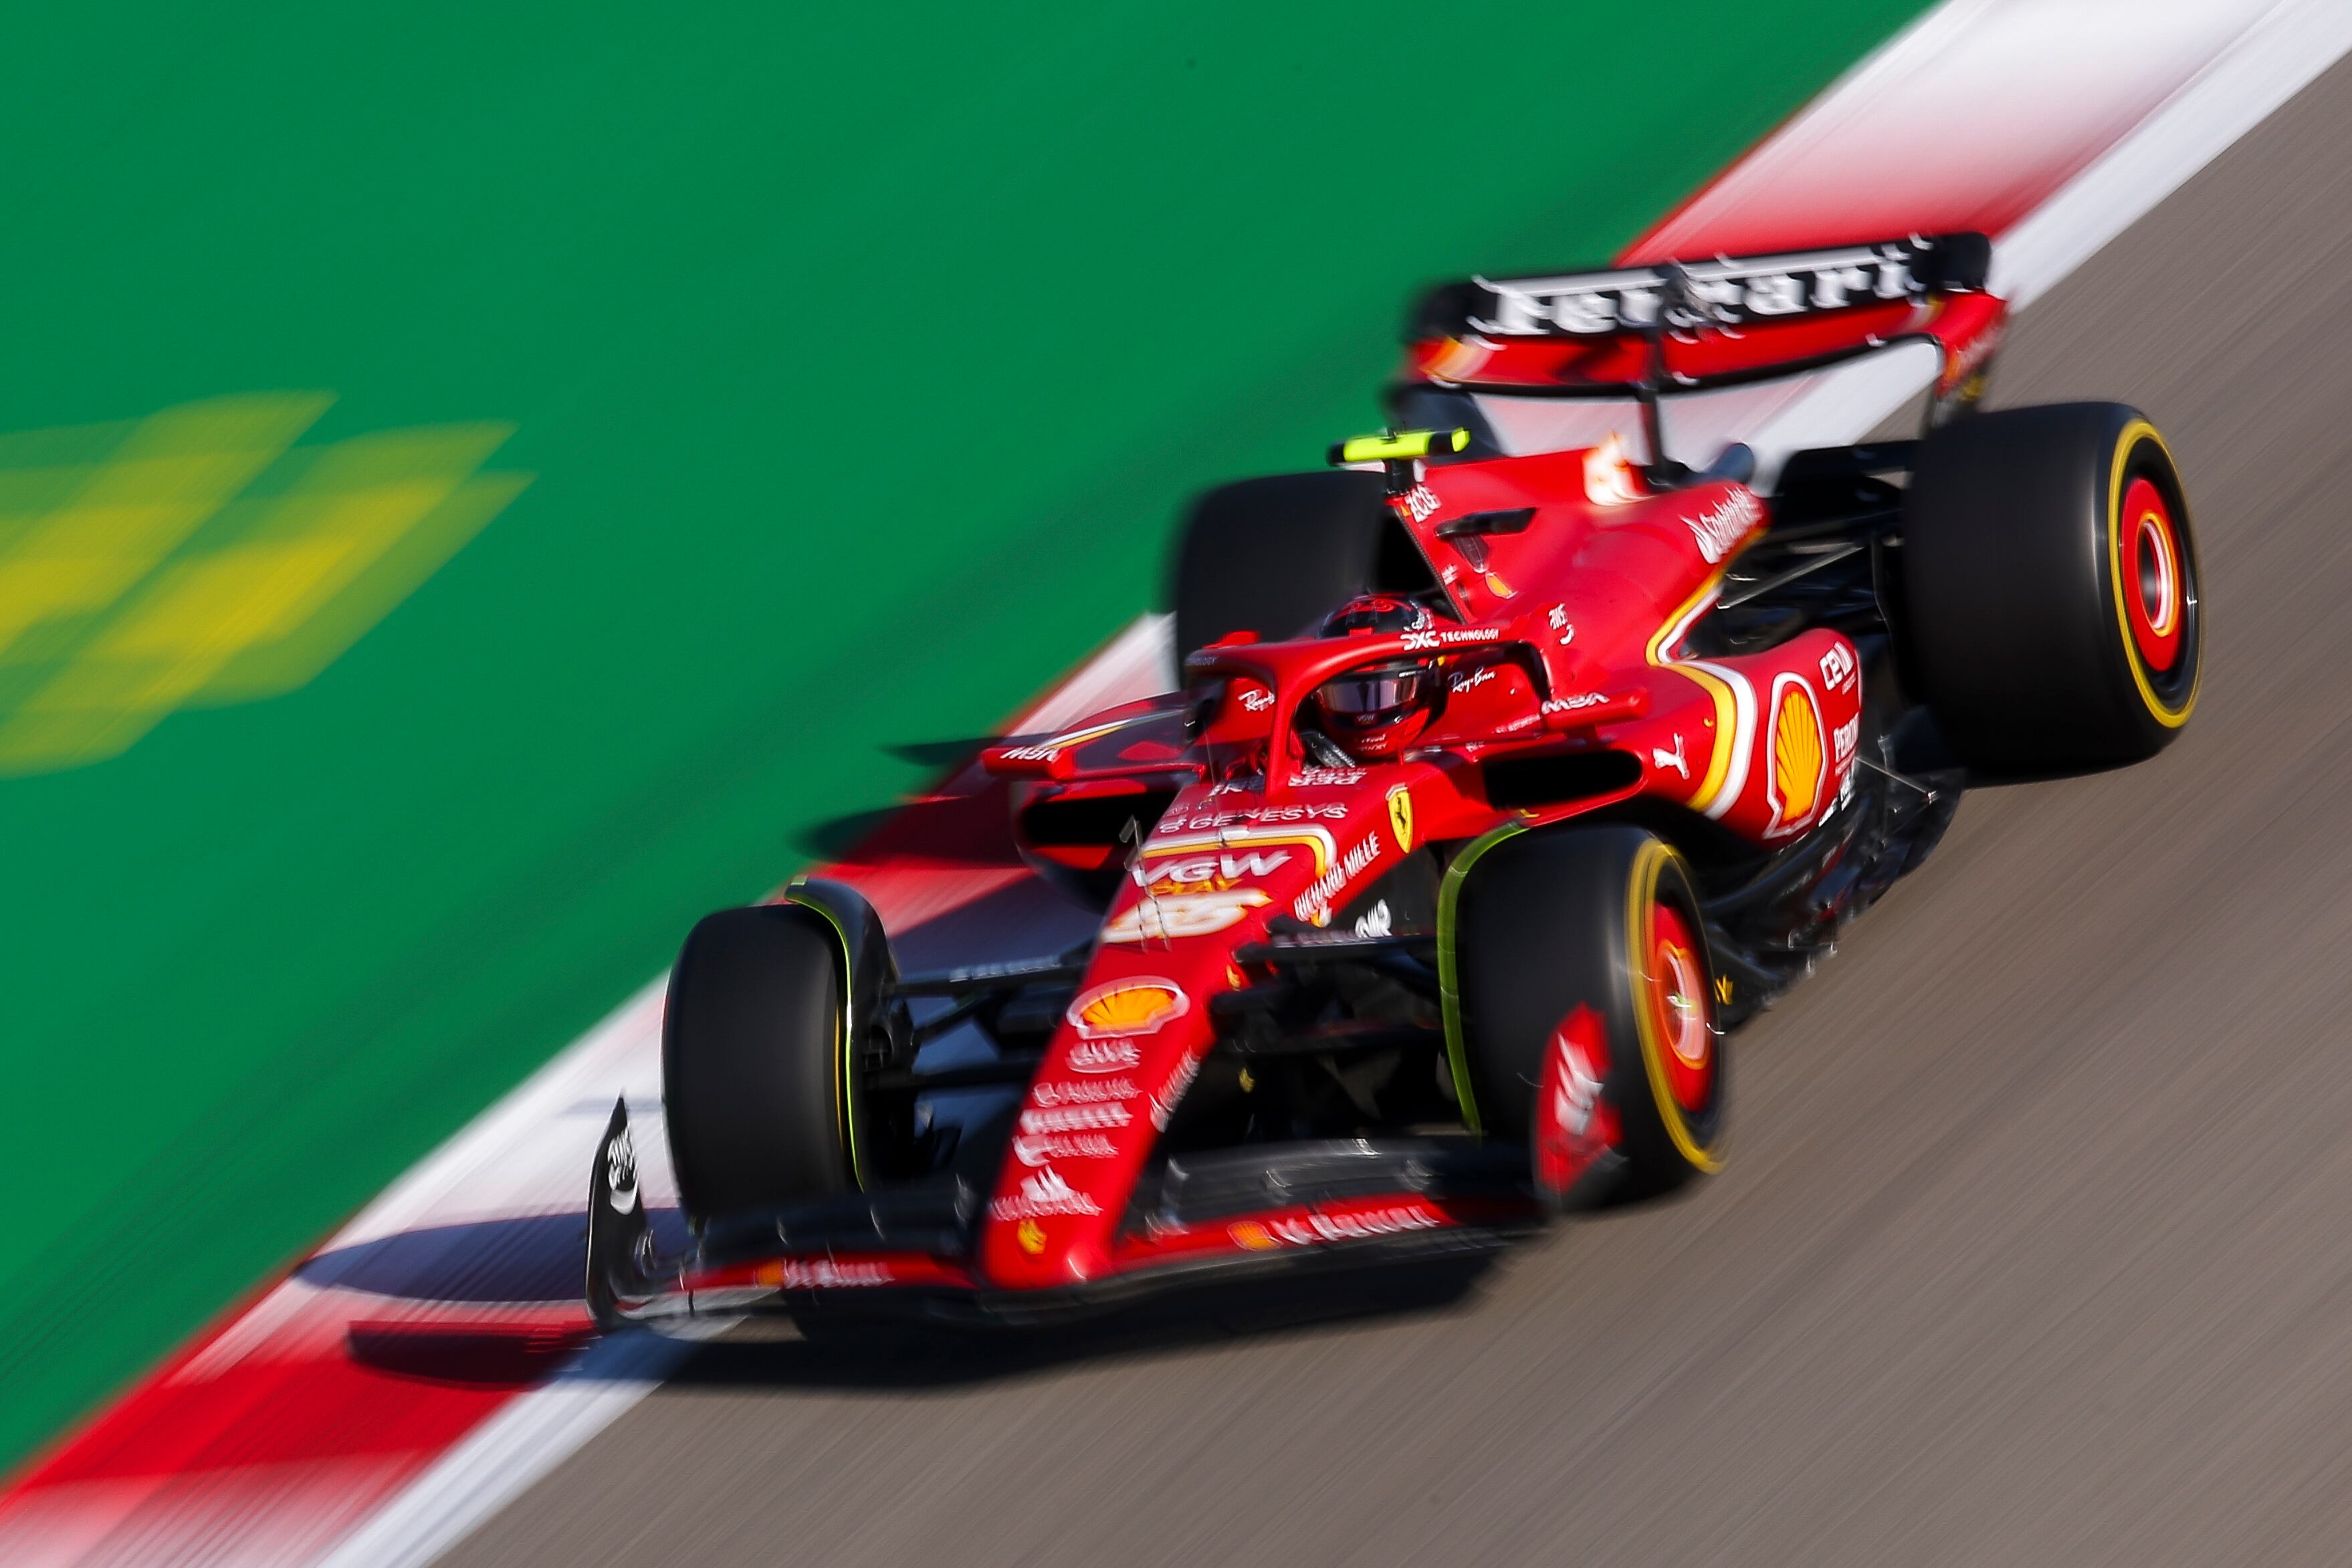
<point>1507,775</point>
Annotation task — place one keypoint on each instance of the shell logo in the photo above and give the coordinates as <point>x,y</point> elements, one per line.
<point>1251,1237</point>
<point>1126,1006</point>
<point>1794,787</point>
<point>1032,1236</point>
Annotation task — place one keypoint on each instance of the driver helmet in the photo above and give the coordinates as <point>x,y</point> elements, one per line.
<point>1378,710</point>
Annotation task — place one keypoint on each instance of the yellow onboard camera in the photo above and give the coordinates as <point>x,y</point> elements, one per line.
<point>1397,446</point>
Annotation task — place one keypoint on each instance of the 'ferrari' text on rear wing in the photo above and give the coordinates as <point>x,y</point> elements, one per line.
<point>1727,291</point>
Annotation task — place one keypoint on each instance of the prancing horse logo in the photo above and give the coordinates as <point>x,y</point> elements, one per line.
<point>1401,817</point>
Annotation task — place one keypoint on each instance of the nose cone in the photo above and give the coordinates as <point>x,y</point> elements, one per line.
<point>1126,1048</point>
<point>1217,867</point>
<point>1046,1233</point>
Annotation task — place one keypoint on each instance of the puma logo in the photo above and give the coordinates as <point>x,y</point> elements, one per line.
<point>1673,760</point>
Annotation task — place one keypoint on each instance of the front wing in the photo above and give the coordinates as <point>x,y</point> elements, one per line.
<point>1355,1203</point>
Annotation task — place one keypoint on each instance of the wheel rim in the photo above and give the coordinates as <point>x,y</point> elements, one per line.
<point>1675,992</point>
<point>2154,590</point>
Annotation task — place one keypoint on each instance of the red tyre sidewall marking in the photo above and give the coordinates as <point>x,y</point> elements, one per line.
<point>1575,1124</point>
<point>2154,594</point>
<point>1675,990</point>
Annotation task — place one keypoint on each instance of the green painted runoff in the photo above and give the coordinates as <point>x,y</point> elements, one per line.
<point>856,359</point>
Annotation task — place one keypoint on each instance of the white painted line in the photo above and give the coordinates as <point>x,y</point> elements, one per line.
<point>527,1153</point>
<point>502,1457</point>
<point>1140,662</point>
<point>2280,51</point>
<point>1974,113</point>
<point>2269,63</point>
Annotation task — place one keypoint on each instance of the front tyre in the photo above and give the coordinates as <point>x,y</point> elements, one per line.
<point>1582,1008</point>
<point>758,1085</point>
<point>2050,588</point>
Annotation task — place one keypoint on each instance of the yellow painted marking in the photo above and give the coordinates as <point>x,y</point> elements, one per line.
<point>200,557</point>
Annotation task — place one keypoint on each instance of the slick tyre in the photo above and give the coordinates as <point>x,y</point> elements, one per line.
<point>1583,1011</point>
<point>755,1077</point>
<point>2052,618</point>
<point>1271,555</point>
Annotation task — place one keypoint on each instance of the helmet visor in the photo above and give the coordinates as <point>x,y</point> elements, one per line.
<point>1375,695</point>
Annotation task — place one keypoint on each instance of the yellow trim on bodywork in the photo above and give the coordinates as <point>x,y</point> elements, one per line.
<point>1641,928</point>
<point>1449,967</point>
<point>1094,732</point>
<point>1236,841</point>
<point>1727,704</point>
<point>2171,718</point>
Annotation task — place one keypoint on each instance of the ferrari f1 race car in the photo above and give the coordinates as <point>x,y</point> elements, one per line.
<point>1511,771</point>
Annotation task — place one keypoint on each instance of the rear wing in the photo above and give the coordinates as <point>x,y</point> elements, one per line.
<point>1711,322</point>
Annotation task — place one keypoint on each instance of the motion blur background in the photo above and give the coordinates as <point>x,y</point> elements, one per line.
<point>478,489</point>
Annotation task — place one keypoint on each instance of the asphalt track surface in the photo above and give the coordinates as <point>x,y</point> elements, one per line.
<point>2035,1246</point>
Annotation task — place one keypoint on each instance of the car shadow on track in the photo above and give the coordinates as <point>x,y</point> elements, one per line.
<point>465,1279</point>
<point>883,1357</point>
<point>497,1304</point>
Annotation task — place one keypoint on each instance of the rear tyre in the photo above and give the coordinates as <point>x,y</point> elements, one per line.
<point>2050,588</point>
<point>1586,1009</point>
<point>755,1081</point>
<point>1270,556</point>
